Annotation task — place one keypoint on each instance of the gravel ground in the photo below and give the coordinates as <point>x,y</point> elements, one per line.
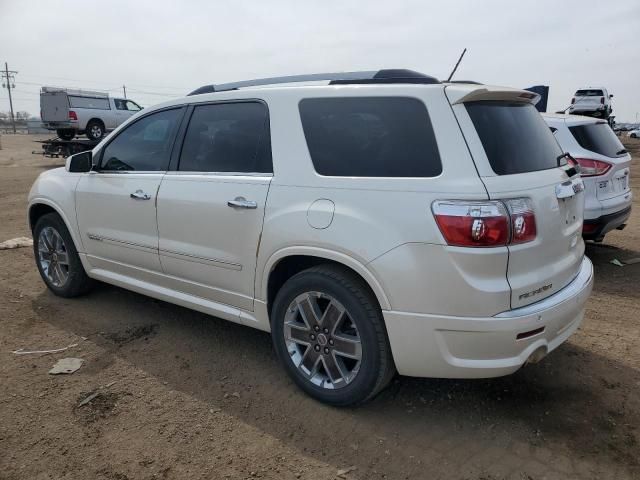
<point>184,395</point>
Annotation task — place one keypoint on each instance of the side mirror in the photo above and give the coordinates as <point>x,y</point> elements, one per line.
<point>80,162</point>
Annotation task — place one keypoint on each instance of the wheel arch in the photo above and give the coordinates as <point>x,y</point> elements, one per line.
<point>285,263</point>
<point>41,206</point>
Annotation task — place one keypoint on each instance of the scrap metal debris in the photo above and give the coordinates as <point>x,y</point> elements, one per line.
<point>66,365</point>
<point>22,351</point>
<point>16,243</point>
<point>617,262</point>
<point>88,399</point>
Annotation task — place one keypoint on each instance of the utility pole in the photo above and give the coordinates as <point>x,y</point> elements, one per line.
<point>8,76</point>
<point>124,90</point>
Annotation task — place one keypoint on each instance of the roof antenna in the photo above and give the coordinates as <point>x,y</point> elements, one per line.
<point>457,63</point>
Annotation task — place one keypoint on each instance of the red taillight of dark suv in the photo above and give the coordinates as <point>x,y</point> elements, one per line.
<point>485,224</point>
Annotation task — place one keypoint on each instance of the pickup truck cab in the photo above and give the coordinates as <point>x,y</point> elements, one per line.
<point>72,112</point>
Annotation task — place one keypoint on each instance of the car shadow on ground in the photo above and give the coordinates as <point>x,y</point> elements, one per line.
<point>568,399</point>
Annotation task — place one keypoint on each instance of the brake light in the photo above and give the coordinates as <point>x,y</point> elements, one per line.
<point>589,227</point>
<point>523,220</point>
<point>573,100</point>
<point>485,224</point>
<point>592,168</point>
<point>602,100</point>
<point>72,115</point>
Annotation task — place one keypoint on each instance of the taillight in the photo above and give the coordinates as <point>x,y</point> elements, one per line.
<point>72,115</point>
<point>573,100</point>
<point>523,220</point>
<point>602,100</point>
<point>592,168</point>
<point>589,227</point>
<point>485,224</point>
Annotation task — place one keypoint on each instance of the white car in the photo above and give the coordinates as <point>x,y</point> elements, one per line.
<point>592,100</point>
<point>71,112</point>
<point>634,133</point>
<point>372,222</point>
<point>604,167</point>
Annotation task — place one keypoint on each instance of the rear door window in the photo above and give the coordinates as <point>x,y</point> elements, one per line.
<point>515,137</point>
<point>228,137</point>
<point>370,137</point>
<point>599,138</point>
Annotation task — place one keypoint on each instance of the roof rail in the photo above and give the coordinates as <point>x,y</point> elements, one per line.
<point>343,78</point>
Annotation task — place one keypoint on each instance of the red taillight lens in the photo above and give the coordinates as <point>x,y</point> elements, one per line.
<point>72,115</point>
<point>592,168</point>
<point>523,220</point>
<point>485,224</point>
<point>472,224</point>
<point>589,227</point>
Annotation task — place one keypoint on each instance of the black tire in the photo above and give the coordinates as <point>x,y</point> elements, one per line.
<point>66,133</point>
<point>77,281</point>
<point>633,135</point>
<point>376,367</point>
<point>94,130</point>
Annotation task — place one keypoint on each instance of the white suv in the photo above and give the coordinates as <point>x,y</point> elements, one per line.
<point>376,222</point>
<point>604,167</point>
<point>593,100</point>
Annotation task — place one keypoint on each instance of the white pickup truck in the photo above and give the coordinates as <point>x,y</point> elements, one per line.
<point>70,112</point>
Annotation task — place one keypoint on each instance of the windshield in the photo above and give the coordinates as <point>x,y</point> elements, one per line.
<point>515,137</point>
<point>599,138</point>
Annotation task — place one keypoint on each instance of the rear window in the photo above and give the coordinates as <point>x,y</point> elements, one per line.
<point>589,93</point>
<point>370,137</point>
<point>515,137</point>
<point>599,138</point>
<point>89,102</point>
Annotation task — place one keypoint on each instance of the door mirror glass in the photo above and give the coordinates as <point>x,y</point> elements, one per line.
<point>80,162</point>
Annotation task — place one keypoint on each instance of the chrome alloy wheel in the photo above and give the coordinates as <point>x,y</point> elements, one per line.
<point>53,256</point>
<point>322,340</point>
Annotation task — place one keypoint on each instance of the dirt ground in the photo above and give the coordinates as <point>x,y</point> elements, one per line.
<point>184,395</point>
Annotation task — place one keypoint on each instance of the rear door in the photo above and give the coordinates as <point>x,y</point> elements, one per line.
<point>54,107</point>
<point>517,156</point>
<point>211,208</point>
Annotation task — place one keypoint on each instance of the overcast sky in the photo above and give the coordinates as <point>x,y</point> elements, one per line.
<point>160,49</point>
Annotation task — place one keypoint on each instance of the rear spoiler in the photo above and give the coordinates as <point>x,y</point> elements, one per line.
<point>462,94</point>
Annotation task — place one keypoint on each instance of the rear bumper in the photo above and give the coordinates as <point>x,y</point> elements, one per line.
<point>426,345</point>
<point>596,228</point>
<point>60,125</point>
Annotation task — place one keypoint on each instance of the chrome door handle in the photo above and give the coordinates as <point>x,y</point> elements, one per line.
<point>140,195</point>
<point>241,202</point>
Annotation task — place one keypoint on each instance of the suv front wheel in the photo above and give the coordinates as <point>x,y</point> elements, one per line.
<point>329,334</point>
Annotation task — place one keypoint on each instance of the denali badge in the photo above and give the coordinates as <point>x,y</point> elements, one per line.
<point>535,292</point>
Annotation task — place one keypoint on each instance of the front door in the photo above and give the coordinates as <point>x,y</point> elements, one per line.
<point>210,211</point>
<point>116,202</point>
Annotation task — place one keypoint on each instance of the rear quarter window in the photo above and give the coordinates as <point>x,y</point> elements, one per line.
<point>370,137</point>
<point>598,138</point>
<point>515,137</point>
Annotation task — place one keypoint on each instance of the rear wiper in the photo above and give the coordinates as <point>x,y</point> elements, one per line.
<point>621,152</point>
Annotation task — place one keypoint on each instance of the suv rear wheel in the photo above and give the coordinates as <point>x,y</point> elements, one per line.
<point>57,258</point>
<point>329,334</point>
